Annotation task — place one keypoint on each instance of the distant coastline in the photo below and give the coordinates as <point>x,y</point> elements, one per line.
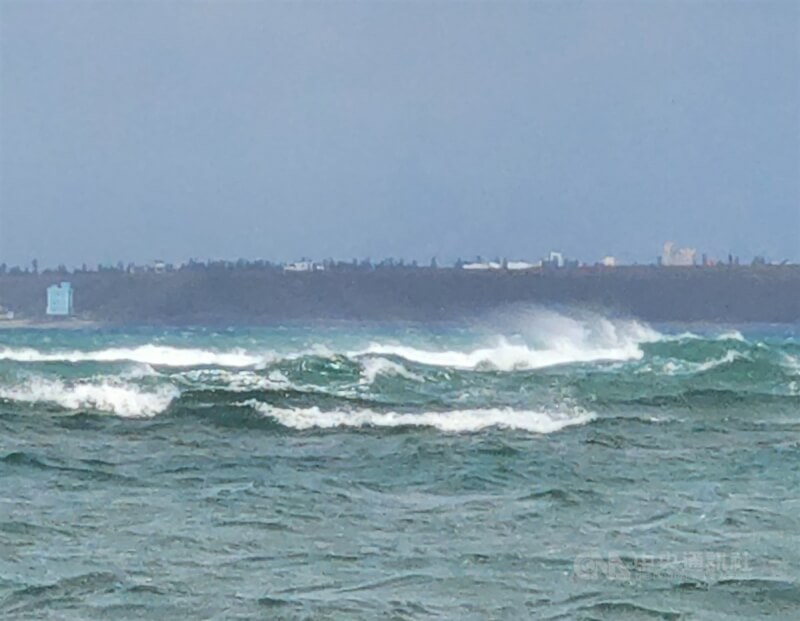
<point>234,295</point>
<point>70,323</point>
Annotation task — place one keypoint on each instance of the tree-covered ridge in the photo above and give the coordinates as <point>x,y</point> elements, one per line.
<point>255,294</point>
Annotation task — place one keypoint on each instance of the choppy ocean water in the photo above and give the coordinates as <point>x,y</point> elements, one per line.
<point>531,466</point>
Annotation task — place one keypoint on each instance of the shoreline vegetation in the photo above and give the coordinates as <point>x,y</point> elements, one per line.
<point>258,295</point>
<point>67,323</point>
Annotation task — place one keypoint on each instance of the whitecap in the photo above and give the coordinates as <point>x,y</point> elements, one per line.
<point>455,421</point>
<point>542,339</point>
<point>730,356</point>
<point>155,355</point>
<point>674,367</point>
<point>507,356</point>
<point>235,381</point>
<point>372,367</point>
<point>731,335</point>
<point>102,394</point>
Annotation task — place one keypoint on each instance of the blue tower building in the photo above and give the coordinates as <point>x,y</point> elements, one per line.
<point>59,299</point>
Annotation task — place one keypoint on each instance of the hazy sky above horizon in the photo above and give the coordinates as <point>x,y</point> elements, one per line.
<point>139,130</point>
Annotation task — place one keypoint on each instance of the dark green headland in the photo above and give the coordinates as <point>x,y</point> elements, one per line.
<point>242,295</point>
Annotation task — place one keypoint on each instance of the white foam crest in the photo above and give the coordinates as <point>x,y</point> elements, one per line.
<point>792,363</point>
<point>103,394</point>
<point>683,367</point>
<point>371,368</point>
<point>156,355</point>
<point>682,336</point>
<point>506,356</point>
<point>541,339</point>
<point>730,356</point>
<point>235,381</point>
<point>731,335</point>
<point>139,371</point>
<point>455,421</point>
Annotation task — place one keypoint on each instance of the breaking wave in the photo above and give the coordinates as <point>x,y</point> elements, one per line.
<point>116,396</point>
<point>506,356</point>
<point>236,381</point>
<point>373,367</point>
<point>458,379</point>
<point>546,340</point>
<point>156,355</point>
<point>455,421</point>
<point>503,356</point>
<point>540,340</point>
<point>683,367</point>
<point>105,395</point>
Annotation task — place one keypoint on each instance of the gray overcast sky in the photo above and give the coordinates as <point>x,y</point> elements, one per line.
<point>136,130</point>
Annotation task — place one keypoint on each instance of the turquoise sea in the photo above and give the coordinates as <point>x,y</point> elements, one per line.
<point>538,464</point>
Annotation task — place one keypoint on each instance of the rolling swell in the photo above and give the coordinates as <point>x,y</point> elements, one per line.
<point>400,473</point>
<point>584,369</point>
<point>698,398</point>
